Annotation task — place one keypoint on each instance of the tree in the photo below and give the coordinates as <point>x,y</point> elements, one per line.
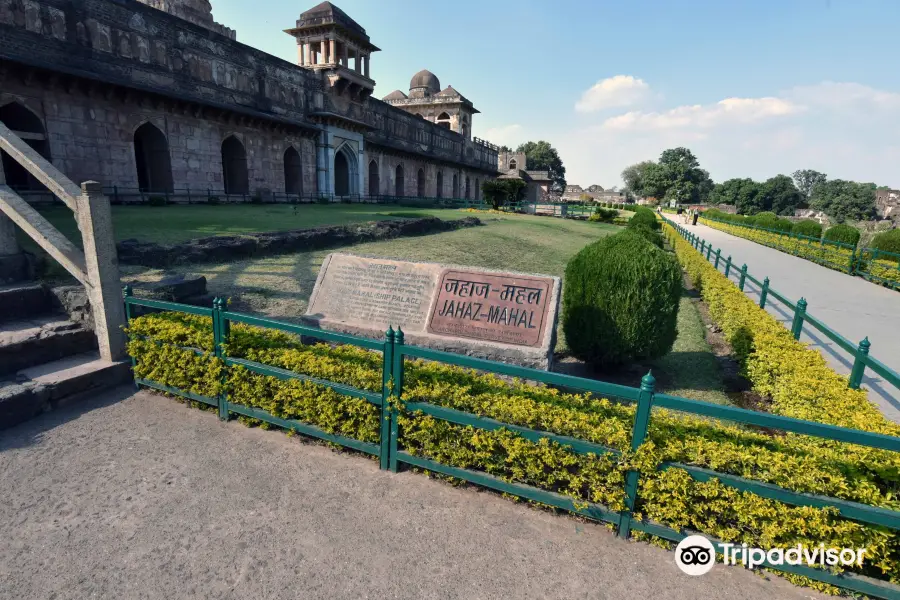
<point>806,180</point>
<point>500,192</point>
<point>635,175</point>
<point>742,193</point>
<point>780,195</point>
<point>677,176</point>
<point>505,148</point>
<point>544,157</point>
<point>842,200</point>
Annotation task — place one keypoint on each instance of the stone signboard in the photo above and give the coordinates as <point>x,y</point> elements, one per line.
<point>497,315</point>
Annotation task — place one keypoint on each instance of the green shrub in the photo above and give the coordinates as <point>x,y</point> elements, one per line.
<point>651,235</point>
<point>766,220</point>
<point>785,225</point>
<point>888,241</point>
<point>808,227</point>
<point>620,301</point>
<point>644,216</point>
<point>603,215</point>
<point>157,201</point>
<point>843,234</point>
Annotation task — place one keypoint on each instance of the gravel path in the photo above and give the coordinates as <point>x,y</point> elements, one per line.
<point>137,496</point>
<point>852,306</point>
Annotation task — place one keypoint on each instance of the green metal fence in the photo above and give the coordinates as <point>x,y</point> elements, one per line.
<point>862,359</point>
<point>878,266</point>
<point>391,403</point>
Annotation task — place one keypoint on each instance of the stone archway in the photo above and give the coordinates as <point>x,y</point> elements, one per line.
<point>151,157</point>
<point>420,183</point>
<point>455,189</point>
<point>28,126</point>
<point>234,166</point>
<point>293,172</point>
<point>440,185</point>
<point>374,180</point>
<point>468,190</point>
<point>345,172</point>
<point>399,183</point>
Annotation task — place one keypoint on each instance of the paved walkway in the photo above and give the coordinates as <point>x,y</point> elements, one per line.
<point>852,306</point>
<point>140,497</point>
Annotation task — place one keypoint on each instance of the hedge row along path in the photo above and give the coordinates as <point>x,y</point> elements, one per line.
<point>852,306</point>
<point>134,495</point>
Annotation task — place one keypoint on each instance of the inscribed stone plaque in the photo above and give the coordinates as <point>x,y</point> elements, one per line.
<point>496,315</point>
<point>373,293</point>
<point>510,309</point>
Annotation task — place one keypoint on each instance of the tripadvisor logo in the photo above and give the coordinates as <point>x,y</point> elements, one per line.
<point>696,555</point>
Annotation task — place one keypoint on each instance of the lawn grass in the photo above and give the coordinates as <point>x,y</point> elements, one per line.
<point>280,286</point>
<point>179,222</point>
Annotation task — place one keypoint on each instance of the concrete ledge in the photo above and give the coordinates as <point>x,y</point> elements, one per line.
<point>231,247</point>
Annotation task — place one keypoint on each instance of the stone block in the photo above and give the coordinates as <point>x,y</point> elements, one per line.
<point>503,316</point>
<point>176,287</point>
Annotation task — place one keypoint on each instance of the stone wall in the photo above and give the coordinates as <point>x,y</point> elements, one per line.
<point>387,162</point>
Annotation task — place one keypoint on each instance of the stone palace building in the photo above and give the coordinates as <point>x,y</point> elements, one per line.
<point>154,95</point>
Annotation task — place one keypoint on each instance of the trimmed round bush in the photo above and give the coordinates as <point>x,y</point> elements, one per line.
<point>808,227</point>
<point>888,241</point>
<point>766,220</point>
<point>785,225</point>
<point>842,233</point>
<point>651,235</point>
<point>644,216</point>
<point>620,300</point>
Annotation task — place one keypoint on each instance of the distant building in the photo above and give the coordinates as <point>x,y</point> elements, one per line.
<point>573,193</point>
<point>514,165</point>
<point>887,203</point>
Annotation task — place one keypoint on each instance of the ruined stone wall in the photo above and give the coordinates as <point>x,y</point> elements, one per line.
<point>92,138</point>
<point>387,162</point>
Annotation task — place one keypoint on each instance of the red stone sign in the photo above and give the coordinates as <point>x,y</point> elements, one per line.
<point>498,308</point>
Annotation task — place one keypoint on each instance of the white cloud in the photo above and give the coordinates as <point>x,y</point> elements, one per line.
<point>509,135</point>
<point>729,110</point>
<point>613,92</point>
<point>847,130</point>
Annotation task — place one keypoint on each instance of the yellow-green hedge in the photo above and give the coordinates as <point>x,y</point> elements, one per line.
<point>671,497</point>
<point>827,254</point>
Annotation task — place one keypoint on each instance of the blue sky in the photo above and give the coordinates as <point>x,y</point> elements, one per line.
<point>754,88</point>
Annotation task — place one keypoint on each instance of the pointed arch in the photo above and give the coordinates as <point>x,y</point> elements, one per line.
<point>513,165</point>
<point>345,171</point>
<point>151,157</point>
<point>21,120</point>
<point>234,166</point>
<point>420,183</point>
<point>374,181</point>
<point>293,172</point>
<point>468,190</point>
<point>443,120</point>
<point>439,191</point>
<point>455,189</point>
<point>477,190</point>
<point>399,184</point>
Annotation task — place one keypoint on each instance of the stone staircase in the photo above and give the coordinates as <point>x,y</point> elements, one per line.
<point>48,358</point>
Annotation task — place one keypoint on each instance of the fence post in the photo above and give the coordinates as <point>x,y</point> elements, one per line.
<point>743,277</point>
<point>94,218</point>
<point>727,265</point>
<point>386,383</point>
<point>763,294</point>
<point>859,364</point>
<point>397,373</point>
<point>189,194</point>
<point>127,293</point>
<point>708,251</point>
<point>852,262</point>
<point>702,247</point>
<point>220,337</point>
<point>718,256</point>
<point>799,314</point>
<point>638,435</point>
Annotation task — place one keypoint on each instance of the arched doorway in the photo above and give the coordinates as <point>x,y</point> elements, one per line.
<point>443,120</point>
<point>374,183</point>
<point>440,184</point>
<point>477,190</point>
<point>399,185</point>
<point>293,172</point>
<point>512,165</point>
<point>420,183</point>
<point>345,172</point>
<point>467,189</point>
<point>151,157</point>
<point>234,167</point>
<point>455,189</point>
<point>29,127</point>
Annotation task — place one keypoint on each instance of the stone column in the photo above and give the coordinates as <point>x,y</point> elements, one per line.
<point>346,55</point>
<point>301,55</point>
<point>363,169</point>
<point>324,52</point>
<point>357,63</point>
<point>332,57</point>
<point>322,176</point>
<point>365,65</point>
<point>101,260</point>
